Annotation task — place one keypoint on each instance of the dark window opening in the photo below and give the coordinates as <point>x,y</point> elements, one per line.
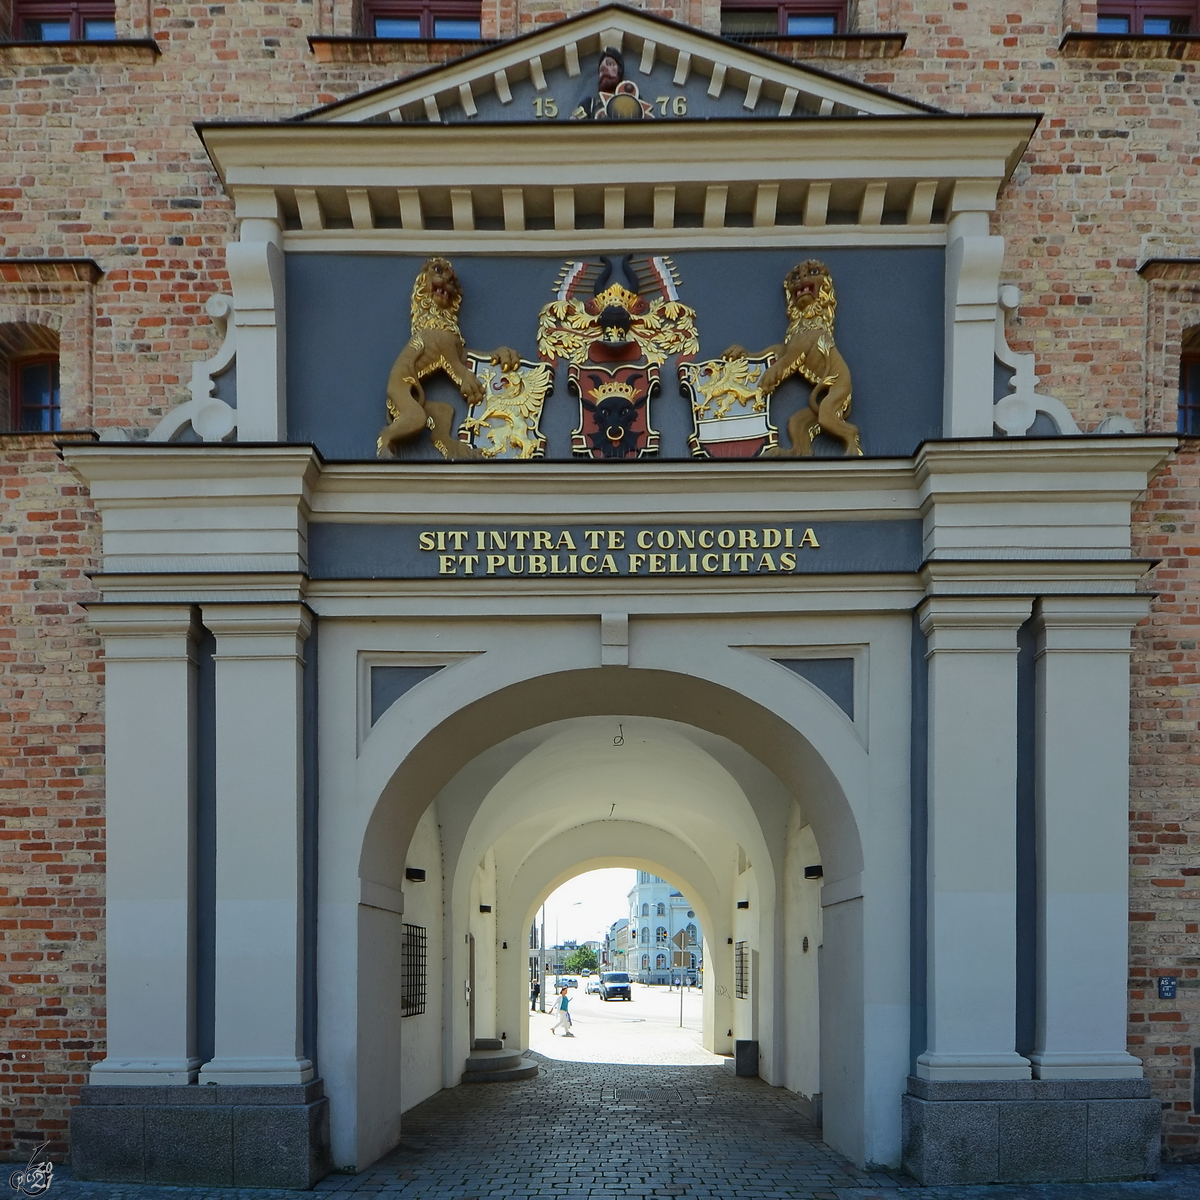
<point>741,970</point>
<point>1153,18</point>
<point>745,19</point>
<point>413,971</point>
<point>452,20</point>
<point>64,20</point>
<point>1189,383</point>
<point>35,395</point>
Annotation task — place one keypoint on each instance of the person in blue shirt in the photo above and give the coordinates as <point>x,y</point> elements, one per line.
<point>562,1018</point>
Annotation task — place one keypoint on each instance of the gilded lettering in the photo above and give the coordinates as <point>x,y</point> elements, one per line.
<point>810,539</point>
<point>771,538</point>
<point>658,564</point>
<point>687,538</point>
<point>744,561</point>
<point>468,562</point>
<point>609,565</point>
<point>726,539</point>
<point>748,538</point>
<point>497,539</point>
<point>767,563</point>
<point>537,564</point>
<point>616,539</point>
<point>710,563</point>
<point>494,563</point>
<point>645,539</point>
<point>705,539</point>
<point>635,563</point>
<point>556,567</point>
<point>513,559</point>
<point>426,540</point>
<point>584,564</point>
<point>676,567</point>
<point>565,541</point>
<point>665,539</point>
<point>458,537</point>
<point>787,561</point>
<point>445,564</point>
<point>520,536</point>
<point>593,537</point>
<point>541,540</point>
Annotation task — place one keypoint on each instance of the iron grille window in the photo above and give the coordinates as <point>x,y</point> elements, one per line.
<point>741,970</point>
<point>64,20</point>
<point>413,972</point>
<point>746,19</point>
<point>1189,394</point>
<point>1150,17</point>
<point>35,395</point>
<point>457,20</point>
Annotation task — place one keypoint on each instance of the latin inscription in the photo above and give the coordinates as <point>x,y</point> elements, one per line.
<point>617,551</point>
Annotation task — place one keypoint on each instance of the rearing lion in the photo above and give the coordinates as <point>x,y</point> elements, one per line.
<point>436,345</point>
<point>808,349</point>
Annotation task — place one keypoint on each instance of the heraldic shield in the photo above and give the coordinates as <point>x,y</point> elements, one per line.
<point>614,409</point>
<point>504,424</point>
<point>730,418</point>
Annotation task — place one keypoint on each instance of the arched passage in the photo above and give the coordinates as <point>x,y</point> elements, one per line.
<point>494,773</point>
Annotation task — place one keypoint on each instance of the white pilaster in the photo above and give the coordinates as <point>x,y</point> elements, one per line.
<point>255,266</point>
<point>973,261</point>
<point>150,796</point>
<point>1083,830</point>
<point>972,868</point>
<point>259,777</point>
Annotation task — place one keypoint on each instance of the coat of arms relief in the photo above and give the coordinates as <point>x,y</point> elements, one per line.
<point>612,326</point>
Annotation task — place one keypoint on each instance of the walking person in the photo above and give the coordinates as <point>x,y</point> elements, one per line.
<point>562,1018</point>
<point>533,996</point>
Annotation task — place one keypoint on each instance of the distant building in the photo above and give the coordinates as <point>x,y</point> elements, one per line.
<point>614,953</point>
<point>657,912</point>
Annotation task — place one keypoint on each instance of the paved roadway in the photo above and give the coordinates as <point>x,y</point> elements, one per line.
<point>630,1108</point>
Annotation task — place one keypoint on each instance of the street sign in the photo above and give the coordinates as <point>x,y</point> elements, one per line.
<point>682,939</point>
<point>680,958</point>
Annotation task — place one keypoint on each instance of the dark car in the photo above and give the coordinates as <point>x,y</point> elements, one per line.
<point>614,985</point>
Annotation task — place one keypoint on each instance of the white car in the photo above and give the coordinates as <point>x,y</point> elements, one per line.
<point>592,988</point>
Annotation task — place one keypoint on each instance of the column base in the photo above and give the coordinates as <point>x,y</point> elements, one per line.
<point>144,1072</point>
<point>1066,1065</point>
<point>257,1071</point>
<point>1031,1131</point>
<point>972,1066</point>
<point>263,1137</point>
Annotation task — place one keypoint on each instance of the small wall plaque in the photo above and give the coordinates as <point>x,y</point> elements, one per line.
<point>1166,987</point>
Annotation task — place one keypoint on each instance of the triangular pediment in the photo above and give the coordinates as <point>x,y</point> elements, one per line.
<point>673,71</point>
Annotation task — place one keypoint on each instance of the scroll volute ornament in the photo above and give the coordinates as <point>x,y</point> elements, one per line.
<point>435,345</point>
<point>808,349</point>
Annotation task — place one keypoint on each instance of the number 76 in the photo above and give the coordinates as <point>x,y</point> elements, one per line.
<point>678,105</point>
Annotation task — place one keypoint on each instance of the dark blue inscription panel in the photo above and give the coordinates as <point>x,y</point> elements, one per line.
<point>348,319</point>
<point>351,551</point>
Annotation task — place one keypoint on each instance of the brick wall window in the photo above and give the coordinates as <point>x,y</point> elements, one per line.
<point>64,20</point>
<point>34,394</point>
<point>1153,17</point>
<point>1189,383</point>
<point>455,20</point>
<point>794,18</point>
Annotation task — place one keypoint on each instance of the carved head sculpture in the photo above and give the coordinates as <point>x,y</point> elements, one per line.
<point>610,70</point>
<point>616,303</point>
<point>436,295</point>
<point>808,290</point>
<point>615,412</point>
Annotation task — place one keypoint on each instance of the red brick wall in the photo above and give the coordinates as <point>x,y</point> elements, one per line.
<point>1164,930</point>
<point>51,796</point>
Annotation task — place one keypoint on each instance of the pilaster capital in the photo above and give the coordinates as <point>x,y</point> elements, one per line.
<point>1088,624</point>
<point>973,624</point>
<point>258,630</point>
<point>147,632</point>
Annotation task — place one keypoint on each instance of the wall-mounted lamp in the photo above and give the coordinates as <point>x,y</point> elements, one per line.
<point>414,874</point>
<point>503,945</point>
<point>743,904</point>
<point>729,941</point>
<point>814,872</point>
<point>485,908</point>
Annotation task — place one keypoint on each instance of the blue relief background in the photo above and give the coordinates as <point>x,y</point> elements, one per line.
<point>348,319</point>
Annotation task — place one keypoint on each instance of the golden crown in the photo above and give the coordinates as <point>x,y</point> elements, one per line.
<point>615,387</point>
<point>616,295</point>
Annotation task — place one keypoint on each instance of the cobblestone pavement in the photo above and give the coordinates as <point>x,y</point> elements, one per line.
<point>626,1132</point>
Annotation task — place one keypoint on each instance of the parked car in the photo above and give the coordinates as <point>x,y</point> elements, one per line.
<point>592,987</point>
<point>565,981</point>
<point>614,985</point>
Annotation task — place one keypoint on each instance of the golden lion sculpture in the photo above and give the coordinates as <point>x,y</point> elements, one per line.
<point>808,349</point>
<point>435,345</point>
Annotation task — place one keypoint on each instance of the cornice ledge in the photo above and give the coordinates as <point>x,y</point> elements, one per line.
<point>1171,268</point>
<point>1125,46</point>
<point>25,54</point>
<point>846,46</point>
<point>116,461</point>
<point>1066,455</point>
<point>1070,576</point>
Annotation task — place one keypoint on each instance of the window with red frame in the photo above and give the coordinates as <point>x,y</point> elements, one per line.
<point>1189,383</point>
<point>35,394</point>
<point>454,20</point>
<point>797,18</point>
<point>64,20</point>
<point>1150,17</point>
